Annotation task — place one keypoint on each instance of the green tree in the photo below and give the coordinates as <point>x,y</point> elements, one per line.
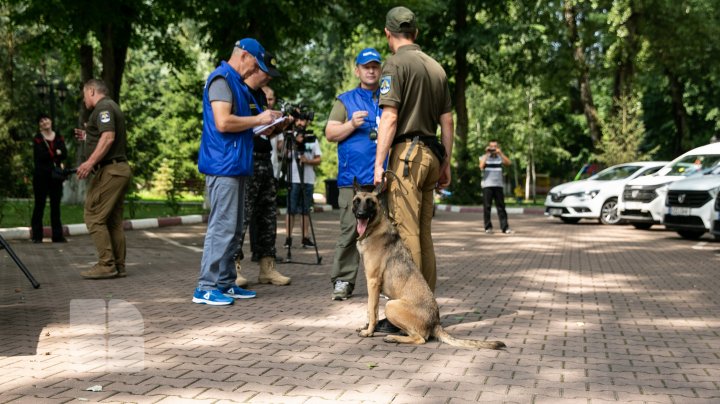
<point>623,135</point>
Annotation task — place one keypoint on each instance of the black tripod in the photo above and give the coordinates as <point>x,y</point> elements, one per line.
<point>4,245</point>
<point>289,155</point>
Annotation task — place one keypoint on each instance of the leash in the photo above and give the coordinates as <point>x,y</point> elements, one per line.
<point>384,180</point>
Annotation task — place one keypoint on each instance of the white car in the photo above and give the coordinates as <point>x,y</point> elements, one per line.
<point>595,197</point>
<point>691,204</point>
<point>715,229</point>
<point>642,203</point>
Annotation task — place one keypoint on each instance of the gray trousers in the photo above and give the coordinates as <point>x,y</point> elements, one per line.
<point>224,231</point>
<point>347,259</point>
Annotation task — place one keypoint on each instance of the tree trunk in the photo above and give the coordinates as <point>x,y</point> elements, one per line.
<point>86,73</point>
<point>586,98</point>
<point>74,190</point>
<point>461,74</point>
<point>677,91</point>
<point>463,174</point>
<point>527,180</point>
<point>625,71</point>
<point>114,41</point>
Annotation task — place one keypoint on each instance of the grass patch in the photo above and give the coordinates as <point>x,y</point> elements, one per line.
<point>19,213</point>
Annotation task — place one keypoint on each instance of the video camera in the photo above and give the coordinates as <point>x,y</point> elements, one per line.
<point>296,111</point>
<point>306,134</point>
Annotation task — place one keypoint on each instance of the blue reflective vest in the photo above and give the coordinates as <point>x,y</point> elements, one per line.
<point>356,154</point>
<point>226,154</point>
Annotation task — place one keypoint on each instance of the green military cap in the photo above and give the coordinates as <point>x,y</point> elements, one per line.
<point>400,19</point>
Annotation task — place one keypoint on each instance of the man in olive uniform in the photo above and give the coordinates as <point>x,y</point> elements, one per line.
<point>107,142</point>
<point>415,99</point>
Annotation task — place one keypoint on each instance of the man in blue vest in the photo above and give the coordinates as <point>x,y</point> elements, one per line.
<point>225,158</point>
<point>353,124</point>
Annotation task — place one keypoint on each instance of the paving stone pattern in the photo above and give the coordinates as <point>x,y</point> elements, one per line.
<point>590,314</point>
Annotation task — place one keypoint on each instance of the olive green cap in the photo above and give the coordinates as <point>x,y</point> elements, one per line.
<point>400,19</point>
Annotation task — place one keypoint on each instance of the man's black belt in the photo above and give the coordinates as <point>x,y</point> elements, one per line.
<point>108,162</point>
<point>431,142</point>
<point>260,155</point>
<point>410,137</point>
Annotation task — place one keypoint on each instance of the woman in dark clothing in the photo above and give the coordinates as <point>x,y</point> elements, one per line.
<point>48,151</point>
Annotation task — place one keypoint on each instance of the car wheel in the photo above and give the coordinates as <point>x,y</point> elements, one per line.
<point>642,226</point>
<point>690,234</point>
<point>609,212</point>
<point>570,220</point>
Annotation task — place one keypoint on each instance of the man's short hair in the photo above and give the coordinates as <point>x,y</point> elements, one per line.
<point>42,116</point>
<point>98,85</point>
<point>403,35</point>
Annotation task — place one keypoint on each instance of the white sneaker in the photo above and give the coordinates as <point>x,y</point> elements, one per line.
<point>341,290</point>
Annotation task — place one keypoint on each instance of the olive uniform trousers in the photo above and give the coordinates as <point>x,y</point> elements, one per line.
<point>104,212</point>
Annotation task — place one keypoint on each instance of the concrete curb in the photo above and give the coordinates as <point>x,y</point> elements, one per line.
<point>23,233</point>
<point>20,233</point>
<point>479,209</point>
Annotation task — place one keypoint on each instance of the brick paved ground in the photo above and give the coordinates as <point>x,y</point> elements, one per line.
<point>590,313</point>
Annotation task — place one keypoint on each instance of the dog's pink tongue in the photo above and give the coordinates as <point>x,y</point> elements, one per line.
<point>362,226</point>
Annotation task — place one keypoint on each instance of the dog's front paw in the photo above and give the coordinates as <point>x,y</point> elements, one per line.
<point>362,328</point>
<point>366,333</point>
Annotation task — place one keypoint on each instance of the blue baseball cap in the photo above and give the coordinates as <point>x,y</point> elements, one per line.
<point>366,56</point>
<point>254,48</point>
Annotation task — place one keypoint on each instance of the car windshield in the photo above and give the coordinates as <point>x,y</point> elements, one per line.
<point>650,171</point>
<point>713,170</point>
<point>690,165</point>
<point>615,173</point>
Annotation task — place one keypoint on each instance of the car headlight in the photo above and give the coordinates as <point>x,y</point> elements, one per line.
<point>585,194</point>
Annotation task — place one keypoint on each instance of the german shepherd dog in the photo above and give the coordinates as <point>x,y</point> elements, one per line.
<point>389,268</point>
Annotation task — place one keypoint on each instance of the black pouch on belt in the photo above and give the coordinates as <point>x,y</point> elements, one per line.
<point>437,148</point>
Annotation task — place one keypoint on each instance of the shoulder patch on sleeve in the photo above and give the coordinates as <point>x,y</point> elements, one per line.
<point>385,84</point>
<point>104,116</point>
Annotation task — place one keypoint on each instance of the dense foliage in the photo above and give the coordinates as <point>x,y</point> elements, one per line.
<point>557,83</point>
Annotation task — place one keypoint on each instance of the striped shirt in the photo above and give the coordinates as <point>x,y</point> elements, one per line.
<point>492,174</point>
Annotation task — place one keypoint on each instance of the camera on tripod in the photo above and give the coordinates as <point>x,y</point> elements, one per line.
<point>297,111</point>
<point>306,134</point>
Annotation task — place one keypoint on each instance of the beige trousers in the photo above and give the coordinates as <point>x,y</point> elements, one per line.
<point>410,202</point>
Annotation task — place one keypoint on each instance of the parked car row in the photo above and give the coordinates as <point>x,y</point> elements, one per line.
<point>683,194</point>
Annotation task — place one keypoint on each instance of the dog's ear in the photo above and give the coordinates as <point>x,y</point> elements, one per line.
<point>379,188</point>
<point>356,186</point>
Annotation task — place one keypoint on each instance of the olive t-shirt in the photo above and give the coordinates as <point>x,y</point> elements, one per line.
<point>107,117</point>
<point>338,112</point>
<point>417,86</point>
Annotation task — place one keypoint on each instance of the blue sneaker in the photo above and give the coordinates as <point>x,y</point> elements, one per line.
<point>211,297</point>
<point>236,292</point>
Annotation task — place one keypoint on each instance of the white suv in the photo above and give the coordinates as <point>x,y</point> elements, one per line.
<point>642,202</point>
<point>690,204</point>
<point>715,229</point>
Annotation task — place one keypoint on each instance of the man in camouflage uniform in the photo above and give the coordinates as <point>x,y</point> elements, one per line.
<point>261,191</point>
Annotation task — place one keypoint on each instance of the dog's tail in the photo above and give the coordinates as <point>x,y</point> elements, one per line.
<point>443,336</point>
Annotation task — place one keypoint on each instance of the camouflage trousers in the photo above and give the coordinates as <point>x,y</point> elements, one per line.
<point>261,209</point>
